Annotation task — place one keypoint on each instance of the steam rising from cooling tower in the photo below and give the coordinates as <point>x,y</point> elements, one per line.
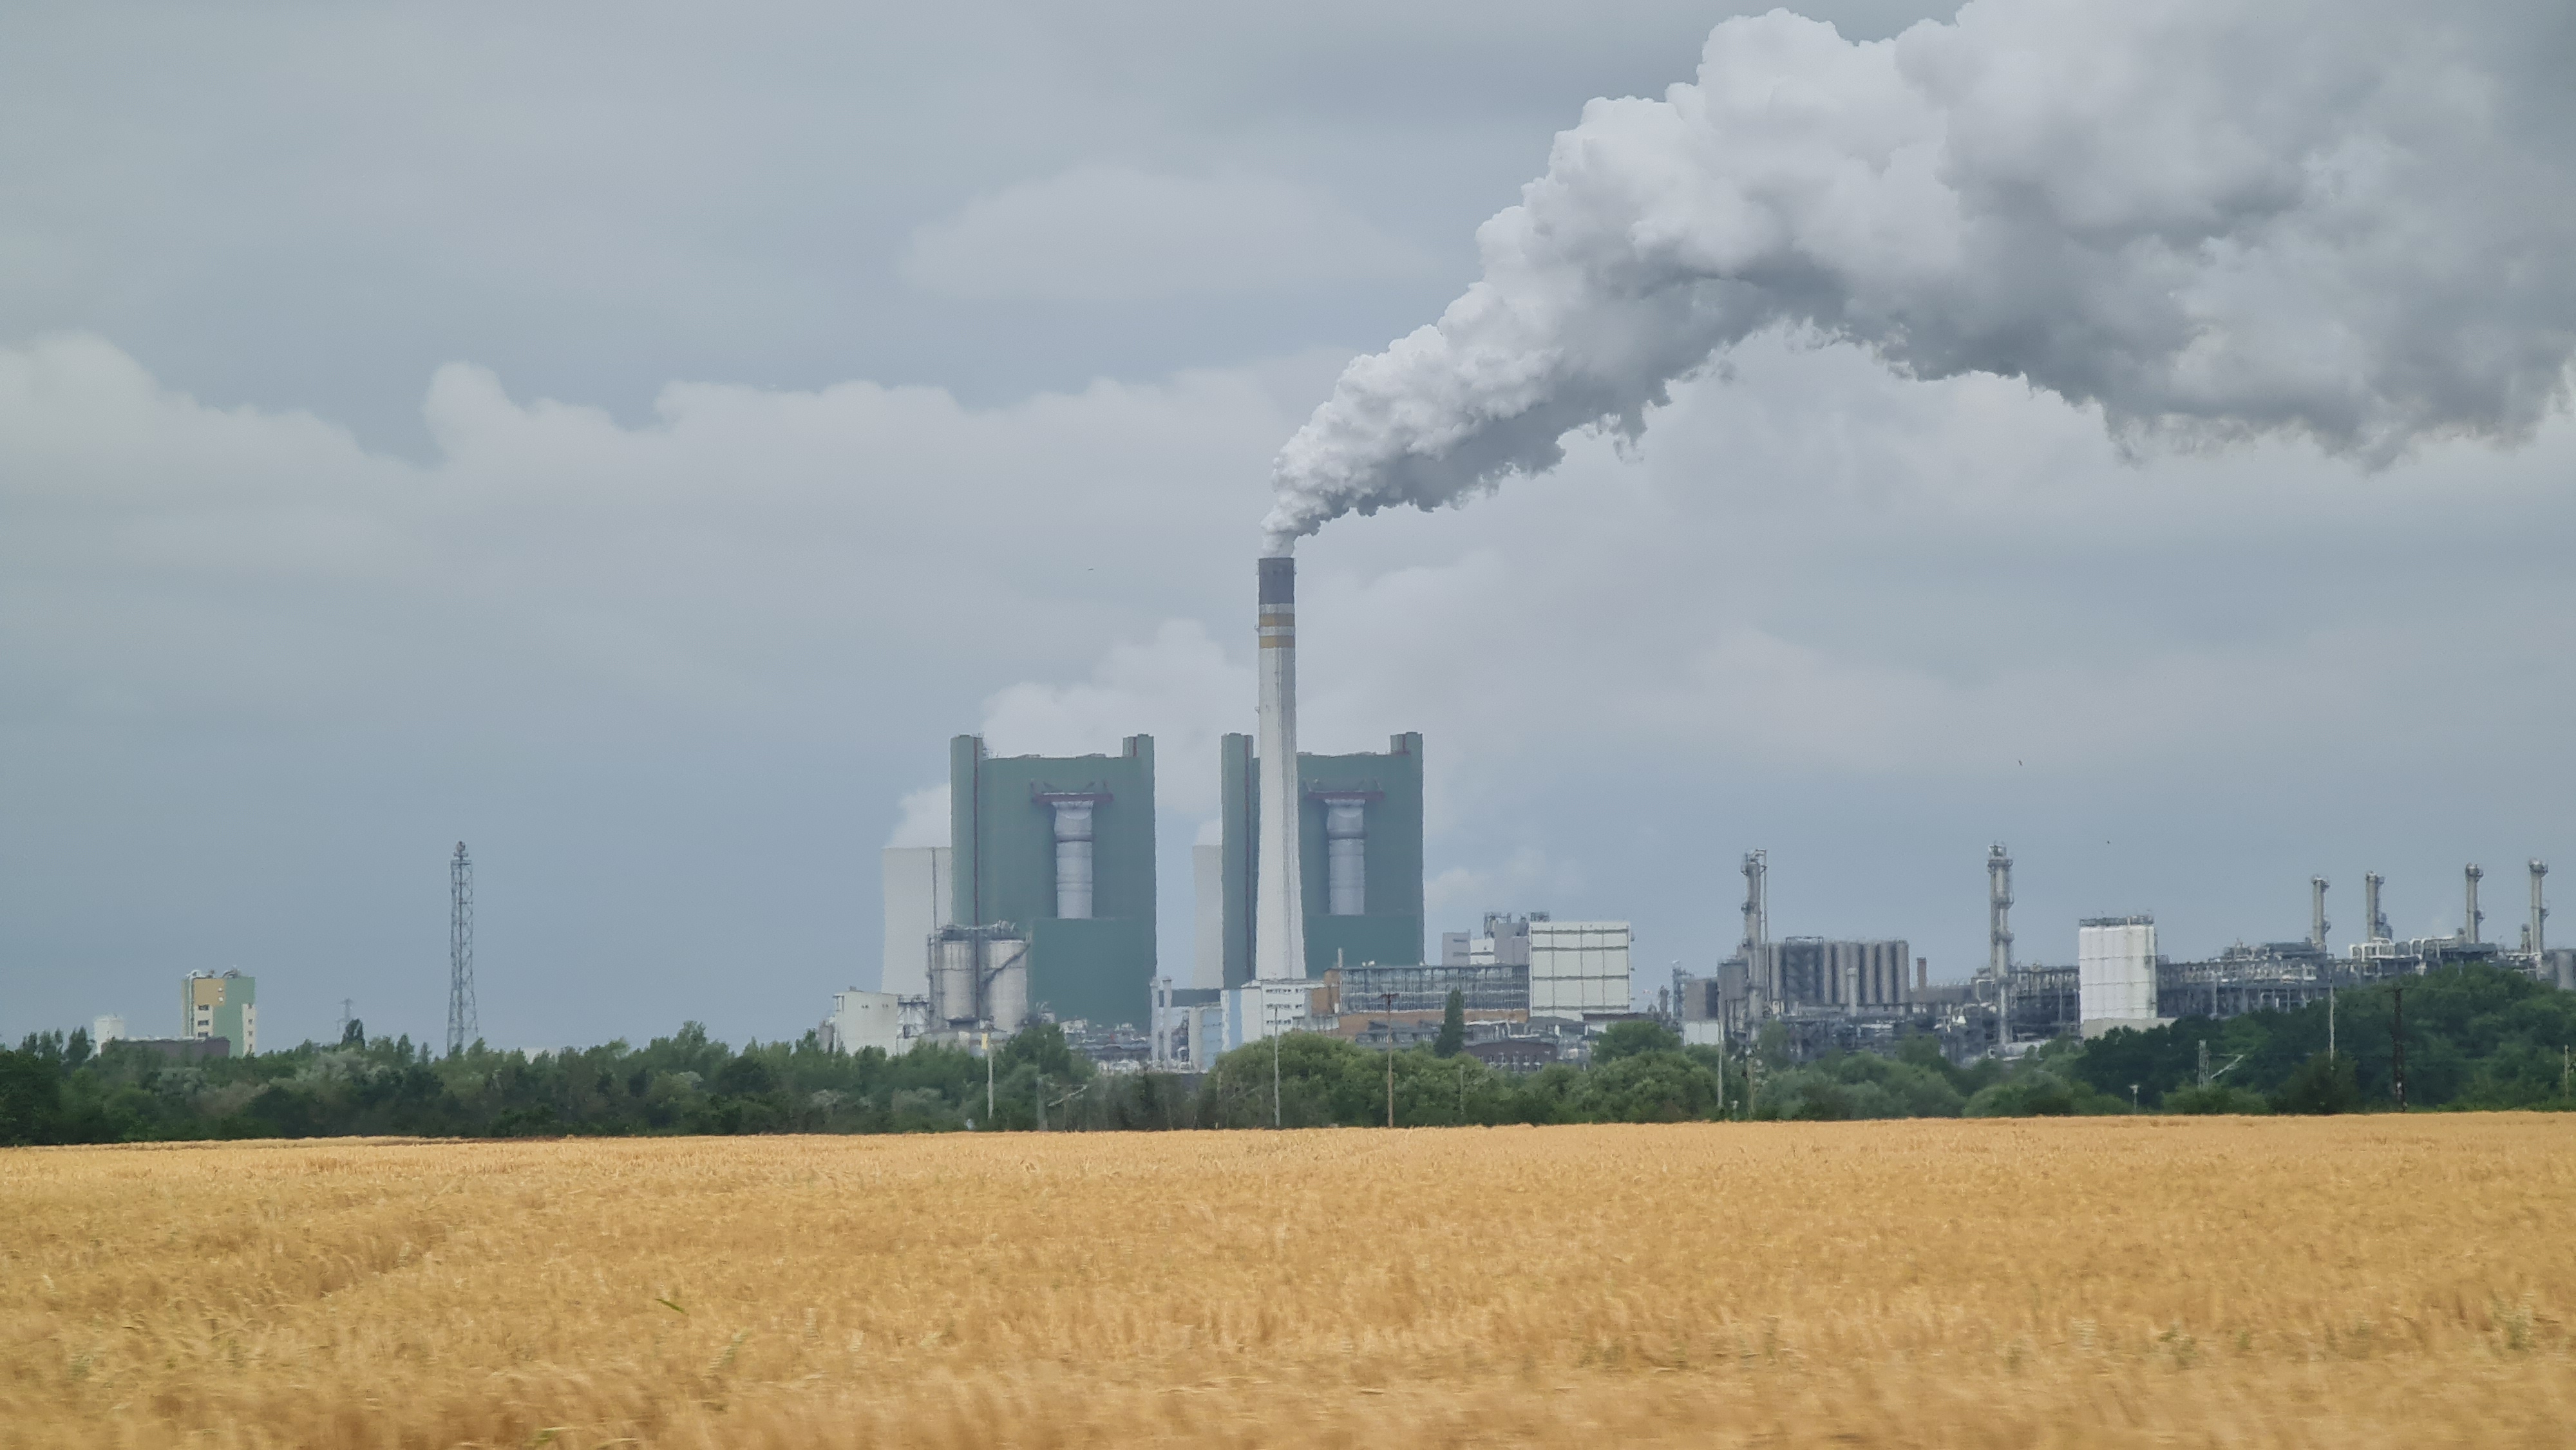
<point>2213,220</point>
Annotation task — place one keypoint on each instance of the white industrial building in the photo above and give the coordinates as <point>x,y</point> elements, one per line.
<point>2115,973</point>
<point>881,1020</point>
<point>1579,967</point>
<point>1575,967</point>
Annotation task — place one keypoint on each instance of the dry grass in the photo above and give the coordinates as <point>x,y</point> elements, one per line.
<point>2342,1283</point>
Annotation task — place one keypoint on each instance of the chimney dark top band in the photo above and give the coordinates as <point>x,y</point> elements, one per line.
<point>1278,581</point>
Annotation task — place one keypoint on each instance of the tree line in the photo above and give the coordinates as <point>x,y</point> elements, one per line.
<point>2468,1037</point>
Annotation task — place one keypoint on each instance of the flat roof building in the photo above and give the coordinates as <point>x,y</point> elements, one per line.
<point>1062,849</point>
<point>225,1007</point>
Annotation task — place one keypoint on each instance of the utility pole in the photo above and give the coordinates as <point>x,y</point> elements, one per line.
<point>1276,1121</point>
<point>1041,1102</point>
<point>463,1024</point>
<point>988,1079</point>
<point>2330,1006</point>
<point>2397,1044</point>
<point>1390,1059</point>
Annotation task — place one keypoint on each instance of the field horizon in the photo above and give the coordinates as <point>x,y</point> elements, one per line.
<point>2348,1282</point>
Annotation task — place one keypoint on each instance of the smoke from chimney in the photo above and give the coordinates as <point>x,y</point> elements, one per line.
<point>2342,219</point>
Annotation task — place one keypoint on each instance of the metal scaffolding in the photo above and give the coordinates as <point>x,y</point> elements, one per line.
<point>462,1023</point>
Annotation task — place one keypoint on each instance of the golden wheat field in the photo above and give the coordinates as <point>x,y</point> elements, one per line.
<point>2351,1282</point>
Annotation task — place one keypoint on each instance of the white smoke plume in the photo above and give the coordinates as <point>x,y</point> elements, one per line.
<point>2345,219</point>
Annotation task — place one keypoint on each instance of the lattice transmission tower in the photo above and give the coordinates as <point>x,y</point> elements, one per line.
<point>462,1026</point>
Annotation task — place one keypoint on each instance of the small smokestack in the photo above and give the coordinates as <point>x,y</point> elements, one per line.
<point>2539,907</point>
<point>2317,923</point>
<point>1279,908</point>
<point>2472,920</point>
<point>2374,922</point>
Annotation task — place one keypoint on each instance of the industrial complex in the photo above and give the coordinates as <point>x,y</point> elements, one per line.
<point>1309,905</point>
<point>1310,917</point>
<point>1815,995</point>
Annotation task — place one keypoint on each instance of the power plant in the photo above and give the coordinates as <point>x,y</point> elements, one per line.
<point>1310,908</point>
<point>1310,917</point>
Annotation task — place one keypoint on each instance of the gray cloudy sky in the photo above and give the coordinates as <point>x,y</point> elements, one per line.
<point>633,440</point>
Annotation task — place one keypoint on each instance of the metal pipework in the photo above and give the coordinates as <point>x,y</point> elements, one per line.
<point>1757,931</point>
<point>1757,912</point>
<point>2473,920</point>
<point>2317,922</point>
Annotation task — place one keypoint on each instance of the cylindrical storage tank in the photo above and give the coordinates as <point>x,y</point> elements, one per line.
<point>952,982</point>
<point>1346,858</point>
<point>1073,860</point>
<point>1006,975</point>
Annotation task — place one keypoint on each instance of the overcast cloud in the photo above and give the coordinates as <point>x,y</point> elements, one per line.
<point>634,446</point>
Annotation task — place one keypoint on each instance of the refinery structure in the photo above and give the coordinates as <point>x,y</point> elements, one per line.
<point>1815,995</point>
<point>1309,916</point>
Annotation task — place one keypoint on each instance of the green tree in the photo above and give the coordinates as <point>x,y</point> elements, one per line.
<point>2039,1091</point>
<point>1647,1087</point>
<point>1629,1039</point>
<point>1453,1026</point>
<point>2323,1085</point>
<point>31,1098</point>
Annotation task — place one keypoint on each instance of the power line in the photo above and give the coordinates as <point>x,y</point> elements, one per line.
<point>462,1023</point>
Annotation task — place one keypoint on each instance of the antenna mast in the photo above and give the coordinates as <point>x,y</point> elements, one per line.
<point>462,1026</point>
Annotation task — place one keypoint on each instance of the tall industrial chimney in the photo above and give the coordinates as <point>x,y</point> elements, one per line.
<point>2374,921</point>
<point>1999,935</point>
<point>2472,920</point>
<point>2539,907</point>
<point>1757,931</point>
<point>2317,923</point>
<point>1999,902</point>
<point>1279,903</point>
